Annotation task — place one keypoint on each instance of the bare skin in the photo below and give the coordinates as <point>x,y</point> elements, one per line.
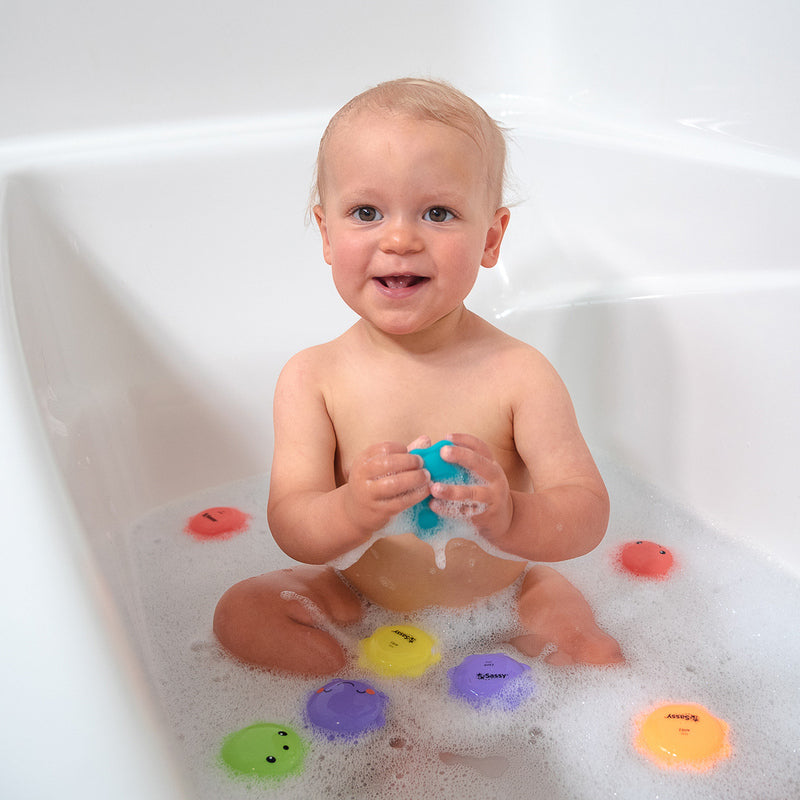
<point>568,624</point>
<point>264,621</point>
<point>406,225</point>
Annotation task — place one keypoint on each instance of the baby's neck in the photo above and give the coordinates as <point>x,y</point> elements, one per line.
<point>453,330</point>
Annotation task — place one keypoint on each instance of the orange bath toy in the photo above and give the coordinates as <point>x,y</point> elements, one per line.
<point>683,736</point>
<point>645,559</point>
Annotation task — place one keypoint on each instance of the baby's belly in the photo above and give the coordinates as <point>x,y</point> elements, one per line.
<point>400,573</point>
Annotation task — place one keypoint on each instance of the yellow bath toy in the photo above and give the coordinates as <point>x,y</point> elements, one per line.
<point>686,736</point>
<point>399,650</point>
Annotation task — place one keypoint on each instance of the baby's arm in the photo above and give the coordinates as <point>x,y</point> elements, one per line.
<point>566,514</point>
<point>311,518</point>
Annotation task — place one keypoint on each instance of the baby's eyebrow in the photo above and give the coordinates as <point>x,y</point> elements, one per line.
<point>365,196</point>
<point>446,196</point>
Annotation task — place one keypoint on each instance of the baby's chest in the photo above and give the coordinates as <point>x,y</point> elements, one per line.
<point>405,415</point>
<point>404,411</point>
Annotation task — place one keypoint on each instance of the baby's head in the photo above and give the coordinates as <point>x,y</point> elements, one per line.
<point>427,101</point>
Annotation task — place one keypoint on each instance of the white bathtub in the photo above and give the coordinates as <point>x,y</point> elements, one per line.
<point>155,279</point>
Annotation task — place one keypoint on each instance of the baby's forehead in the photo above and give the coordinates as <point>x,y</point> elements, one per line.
<point>378,126</point>
<point>380,122</point>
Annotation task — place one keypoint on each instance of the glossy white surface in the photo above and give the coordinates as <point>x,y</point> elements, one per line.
<point>726,70</point>
<point>157,272</point>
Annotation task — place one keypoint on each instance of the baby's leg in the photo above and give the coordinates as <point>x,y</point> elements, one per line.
<point>554,612</point>
<point>272,620</point>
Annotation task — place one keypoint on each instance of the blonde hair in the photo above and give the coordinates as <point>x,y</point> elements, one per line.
<point>427,100</point>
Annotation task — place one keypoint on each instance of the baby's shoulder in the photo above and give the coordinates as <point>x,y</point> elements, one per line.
<point>521,370</point>
<point>314,367</point>
<point>310,361</point>
<point>515,352</point>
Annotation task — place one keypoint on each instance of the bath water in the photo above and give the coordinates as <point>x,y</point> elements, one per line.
<point>721,631</point>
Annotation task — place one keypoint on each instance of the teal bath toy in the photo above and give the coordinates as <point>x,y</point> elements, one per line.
<point>426,522</point>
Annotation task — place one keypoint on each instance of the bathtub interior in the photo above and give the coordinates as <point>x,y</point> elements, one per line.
<point>159,291</point>
<point>158,287</point>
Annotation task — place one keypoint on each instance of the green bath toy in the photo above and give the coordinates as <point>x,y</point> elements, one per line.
<point>265,749</point>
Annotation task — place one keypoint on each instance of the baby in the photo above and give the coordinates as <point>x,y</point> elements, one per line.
<point>409,183</point>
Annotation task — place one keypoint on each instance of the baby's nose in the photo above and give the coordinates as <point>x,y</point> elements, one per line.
<point>401,237</point>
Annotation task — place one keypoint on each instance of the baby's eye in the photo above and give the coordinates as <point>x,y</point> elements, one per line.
<point>366,214</point>
<point>438,214</point>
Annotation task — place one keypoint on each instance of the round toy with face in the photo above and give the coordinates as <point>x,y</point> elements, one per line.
<point>347,708</point>
<point>265,749</point>
<point>645,559</point>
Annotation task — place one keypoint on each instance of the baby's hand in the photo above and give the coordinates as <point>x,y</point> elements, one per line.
<point>384,480</point>
<point>489,505</point>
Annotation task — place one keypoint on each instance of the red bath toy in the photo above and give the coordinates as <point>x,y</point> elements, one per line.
<point>217,523</point>
<point>645,559</point>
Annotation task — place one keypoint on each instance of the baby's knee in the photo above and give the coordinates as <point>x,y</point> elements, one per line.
<point>264,621</point>
<point>235,616</point>
<point>235,611</point>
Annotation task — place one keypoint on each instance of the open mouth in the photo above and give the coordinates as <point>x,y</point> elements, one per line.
<point>400,281</point>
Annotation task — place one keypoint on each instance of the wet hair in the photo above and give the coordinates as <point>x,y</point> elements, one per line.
<point>426,100</point>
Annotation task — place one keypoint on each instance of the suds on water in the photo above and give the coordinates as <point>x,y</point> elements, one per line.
<point>719,631</point>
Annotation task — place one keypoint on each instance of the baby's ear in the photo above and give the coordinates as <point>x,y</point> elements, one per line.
<point>319,216</point>
<point>494,237</point>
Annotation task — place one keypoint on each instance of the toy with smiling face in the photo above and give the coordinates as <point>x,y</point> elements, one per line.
<point>264,749</point>
<point>347,708</point>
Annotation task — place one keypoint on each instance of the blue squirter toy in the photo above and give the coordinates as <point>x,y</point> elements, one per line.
<point>427,523</point>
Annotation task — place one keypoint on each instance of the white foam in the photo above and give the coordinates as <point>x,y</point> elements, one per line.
<point>348,642</point>
<point>719,632</point>
<point>458,525</point>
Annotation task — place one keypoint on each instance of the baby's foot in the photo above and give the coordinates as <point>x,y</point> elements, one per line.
<point>554,613</point>
<point>595,648</point>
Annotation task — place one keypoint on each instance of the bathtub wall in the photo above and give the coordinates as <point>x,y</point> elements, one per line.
<point>668,166</point>
<point>726,69</point>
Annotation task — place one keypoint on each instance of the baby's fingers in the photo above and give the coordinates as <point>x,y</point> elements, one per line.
<point>471,442</point>
<point>384,480</point>
<point>477,459</point>
<point>420,443</point>
<point>410,485</point>
<point>456,500</point>
<point>386,459</point>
